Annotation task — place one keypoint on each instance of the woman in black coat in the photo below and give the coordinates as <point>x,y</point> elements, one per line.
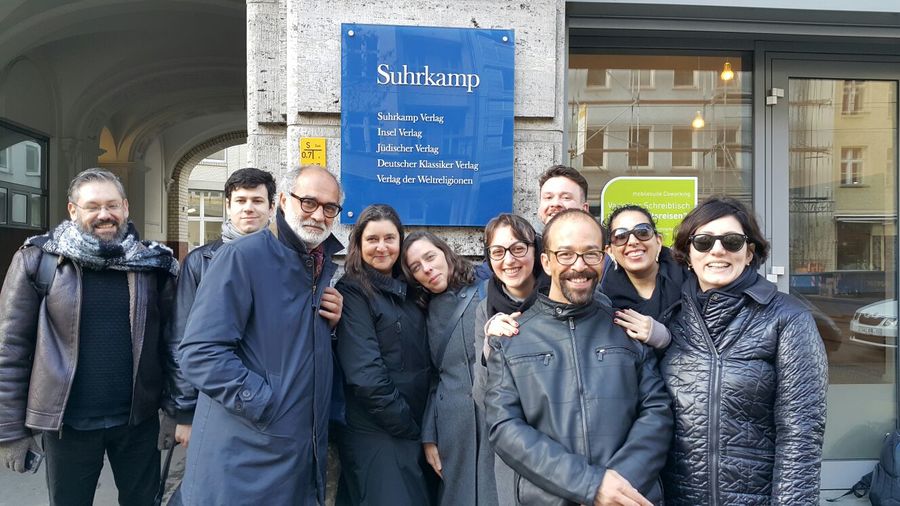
<point>746,370</point>
<point>453,434</point>
<point>644,281</point>
<point>383,352</point>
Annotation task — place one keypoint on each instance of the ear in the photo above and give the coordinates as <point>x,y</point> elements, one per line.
<point>545,263</point>
<point>282,202</point>
<point>585,206</point>
<point>125,208</point>
<point>751,248</point>
<point>73,210</point>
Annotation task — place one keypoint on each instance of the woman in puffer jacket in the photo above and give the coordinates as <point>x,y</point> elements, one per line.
<point>746,370</point>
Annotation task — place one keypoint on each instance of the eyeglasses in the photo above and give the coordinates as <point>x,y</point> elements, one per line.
<point>641,231</point>
<point>567,257</point>
<point>517,249</point>
<point>94,209</point>
<point>731,242</point>
<point>308,205</point>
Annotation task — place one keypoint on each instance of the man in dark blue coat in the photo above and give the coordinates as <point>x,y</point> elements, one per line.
<point>258,348</point>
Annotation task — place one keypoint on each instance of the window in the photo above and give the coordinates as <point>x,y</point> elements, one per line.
<point>218,158</point>
<point>851,166</point>
<point>683,147</point>
<point>23,178</point>
<point>641,79</point>
<point>206,211</point>
<point>594,147</point>
<point>597,78</point>
<point>32,159</point>
<point>727,148</point>
<point>852,101</point>
<point>639,147</point>
<point>685,79</point>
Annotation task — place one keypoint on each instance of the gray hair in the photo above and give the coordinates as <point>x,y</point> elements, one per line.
<point>94,175</point>
<point>289,179</point>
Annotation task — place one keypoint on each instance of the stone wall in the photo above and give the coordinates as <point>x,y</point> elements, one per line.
<point>293,81</point>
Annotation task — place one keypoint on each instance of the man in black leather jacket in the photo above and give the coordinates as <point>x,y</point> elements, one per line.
<point>574,406</point>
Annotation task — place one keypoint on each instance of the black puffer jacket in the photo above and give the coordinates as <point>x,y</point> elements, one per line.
<point>749,411</point>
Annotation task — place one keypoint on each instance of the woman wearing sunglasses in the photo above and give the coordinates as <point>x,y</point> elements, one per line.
<point>383,352</point>
<point>746,370</point>
<point>644,283</point>
<point>453,434</point>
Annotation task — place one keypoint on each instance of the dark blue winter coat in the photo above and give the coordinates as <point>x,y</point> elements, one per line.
<point>260,355</point>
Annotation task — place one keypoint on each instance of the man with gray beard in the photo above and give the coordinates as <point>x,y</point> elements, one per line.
<point>257,347</point>
<point>82,354</point>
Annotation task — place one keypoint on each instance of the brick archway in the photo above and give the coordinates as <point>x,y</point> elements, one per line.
<point>176,227</point>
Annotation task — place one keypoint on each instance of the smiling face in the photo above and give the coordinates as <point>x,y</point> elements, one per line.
<point>428,265</point>
<point>249,209</point>
<point>100,211</point>
<point>719,267</point>
<point>573,284</point>
<point>312,228</point>
<point>557,194</point>
<point>514,272</point>
<point>380,245</point>
<point>635,256</point>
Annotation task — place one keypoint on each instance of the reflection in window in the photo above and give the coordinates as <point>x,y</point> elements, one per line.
<point>205,216</point>
<point>32,159</point>
<point>37,211</point>
<point>4,205</point>
<point>593,151</point>
<point>23,184</point>
<point>851,166</point>
<point>4,160</point>
<point>852,101</point>
<point>639,147</point>
<point>682,147</point>
<point>645,112</point>
<point>19,215</point>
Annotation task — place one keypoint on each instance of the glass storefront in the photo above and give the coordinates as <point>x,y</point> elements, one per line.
<point>662,115</point>
<point>23,187</point>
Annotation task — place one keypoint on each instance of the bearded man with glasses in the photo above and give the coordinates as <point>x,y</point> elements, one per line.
<point>575,407</point>
<point>257,347</point>
<point>83,351</point>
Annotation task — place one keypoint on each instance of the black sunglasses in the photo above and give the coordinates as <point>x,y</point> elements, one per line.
<point>732,242</point>
<point>642,231</point>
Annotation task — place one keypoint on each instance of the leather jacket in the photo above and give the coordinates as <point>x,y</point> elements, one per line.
<point>571,396</point>
<point>39,343</point>
<point>747,373</point>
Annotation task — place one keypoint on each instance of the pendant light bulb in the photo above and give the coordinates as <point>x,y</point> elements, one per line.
<point>698,121</point>
<point>727,74</point>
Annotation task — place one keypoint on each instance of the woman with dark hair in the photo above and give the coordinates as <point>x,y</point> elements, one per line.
<point>513,249</point>
<point>644,283</point>
<point>382,349</point>
<point>453,435</point>
<point>746,370</point>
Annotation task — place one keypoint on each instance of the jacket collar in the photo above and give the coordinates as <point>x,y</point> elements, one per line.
<point>562,311</point>
<point>386,283</point>
<point>213,246</point>
<point>289,238</point>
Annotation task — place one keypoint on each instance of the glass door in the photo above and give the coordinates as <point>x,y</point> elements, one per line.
<point>831,157</point>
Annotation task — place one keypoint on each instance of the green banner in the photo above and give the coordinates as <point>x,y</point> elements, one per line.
<point>668,199</point>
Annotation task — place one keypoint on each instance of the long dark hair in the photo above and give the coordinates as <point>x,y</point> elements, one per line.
<point>461,271</point>
<point>354,266</point>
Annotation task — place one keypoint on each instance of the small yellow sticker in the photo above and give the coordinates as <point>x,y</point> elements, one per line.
<point>312,151</point>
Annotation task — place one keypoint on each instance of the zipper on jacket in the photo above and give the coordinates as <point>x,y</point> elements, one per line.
<point>76,326</point>
<point>584,429</point>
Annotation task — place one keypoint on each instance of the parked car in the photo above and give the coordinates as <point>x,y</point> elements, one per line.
<point>875,324</point>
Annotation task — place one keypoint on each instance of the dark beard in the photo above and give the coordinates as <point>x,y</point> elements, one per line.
<point>578,298</point>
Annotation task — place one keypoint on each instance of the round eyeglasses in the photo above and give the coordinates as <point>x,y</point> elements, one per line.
<point>309,205</point>
<point>517,249</point>
<point>641,231</point>
<point>732,242</point>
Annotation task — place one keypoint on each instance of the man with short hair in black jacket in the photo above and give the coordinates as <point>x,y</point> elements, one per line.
<point>575,407</point>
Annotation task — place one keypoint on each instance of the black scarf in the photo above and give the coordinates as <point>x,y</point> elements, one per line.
<point>499,302</point>
<point>733,289</point>
<point>623,295</point>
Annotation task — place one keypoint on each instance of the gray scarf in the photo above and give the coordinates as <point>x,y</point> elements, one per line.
<point>131,254</point>
<point>230,232</point>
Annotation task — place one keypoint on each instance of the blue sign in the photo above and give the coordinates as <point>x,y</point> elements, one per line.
<point>427,122</point>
